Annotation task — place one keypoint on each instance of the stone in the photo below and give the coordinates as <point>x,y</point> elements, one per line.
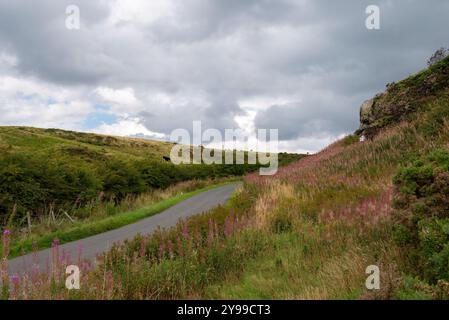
<point>366,113</point>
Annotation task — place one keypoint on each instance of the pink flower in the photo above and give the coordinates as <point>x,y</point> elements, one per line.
<point>6,232</point>
<point>15,279</point>
<point>185,230</point>
<point>55,242</point>
<point>228,226</point>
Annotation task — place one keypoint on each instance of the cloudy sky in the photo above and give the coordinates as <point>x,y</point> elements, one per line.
<point>151,66</point>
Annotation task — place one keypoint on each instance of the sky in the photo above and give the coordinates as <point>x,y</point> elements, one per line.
<point>147,67</point>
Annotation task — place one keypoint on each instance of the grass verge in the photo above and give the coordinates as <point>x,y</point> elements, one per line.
<point>84,230</point>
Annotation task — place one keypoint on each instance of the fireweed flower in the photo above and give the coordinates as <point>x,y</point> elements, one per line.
<point>161,250</point>
<point>15,279</point>
<point>4,253</point>
<point>80,251</point>
<point>185,230</point>
<point>55,243</point>
<point>210,234</point>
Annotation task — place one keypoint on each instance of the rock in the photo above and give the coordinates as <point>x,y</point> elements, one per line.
<point>366,113</point>
<point>403,98</point>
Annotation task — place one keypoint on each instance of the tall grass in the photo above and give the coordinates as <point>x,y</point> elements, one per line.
<point>309,232</point>
<point>103,216</point>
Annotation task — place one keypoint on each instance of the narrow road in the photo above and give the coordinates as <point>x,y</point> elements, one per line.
<point>94,245</point>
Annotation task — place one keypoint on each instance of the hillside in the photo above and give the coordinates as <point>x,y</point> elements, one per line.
<point>311,231</point>
<point>43,168</point>
<point>87,148</point>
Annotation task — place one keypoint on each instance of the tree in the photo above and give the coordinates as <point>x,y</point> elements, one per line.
<point>439,55</point>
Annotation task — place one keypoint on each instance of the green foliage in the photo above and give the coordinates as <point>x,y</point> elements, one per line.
<point>415,180</point>
<point>350,139</point>
<point>64,170</point>
<point>413,289</point>
<point>435,116</point>
<point>31,183</point>
<point>434,245</point>
<point>423,213</point>
<point>84,230</point>
<point>421,95</point>
<point>281,222</point>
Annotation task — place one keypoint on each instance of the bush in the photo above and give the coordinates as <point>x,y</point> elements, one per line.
<point>422,215</point>
<point>434,245</point>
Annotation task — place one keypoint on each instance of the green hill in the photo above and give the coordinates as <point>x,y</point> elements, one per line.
<point>43,168</point>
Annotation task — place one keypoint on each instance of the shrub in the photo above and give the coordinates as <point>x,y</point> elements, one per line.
<point>422,215</point>
<point>350,139</point>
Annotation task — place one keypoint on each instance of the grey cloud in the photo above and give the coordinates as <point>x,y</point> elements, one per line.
<point>228,51</point>
<point>35,32</point>
<point>219,114</point>
<point>317,116</point>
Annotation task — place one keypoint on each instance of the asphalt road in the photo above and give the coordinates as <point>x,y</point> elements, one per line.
<point>92,246</point>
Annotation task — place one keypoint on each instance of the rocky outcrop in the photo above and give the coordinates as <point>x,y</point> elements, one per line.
<point>403,98</point>
<point>366,114</point>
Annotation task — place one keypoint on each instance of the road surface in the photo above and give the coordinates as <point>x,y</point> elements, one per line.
<point>94,245</point>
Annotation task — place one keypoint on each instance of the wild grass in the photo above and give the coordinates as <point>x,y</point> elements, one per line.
<point>309,232</point>
<point>105,216</point>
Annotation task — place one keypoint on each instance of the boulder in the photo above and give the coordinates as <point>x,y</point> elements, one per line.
<point>403,98</point>
<point>366,113</point>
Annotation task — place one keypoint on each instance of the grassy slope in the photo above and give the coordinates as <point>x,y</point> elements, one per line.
<point>88,148</point>
<point>75,146</point>
<point>339,206</point>
<point>54,162</point>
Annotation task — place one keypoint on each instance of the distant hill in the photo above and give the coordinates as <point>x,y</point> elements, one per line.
<point>80,145</point>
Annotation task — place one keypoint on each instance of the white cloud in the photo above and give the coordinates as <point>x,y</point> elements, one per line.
<point>127,127</point>
<point>139,11</point>
<point>118,96</point>
<point>122,101</point>
<point>33,103</point>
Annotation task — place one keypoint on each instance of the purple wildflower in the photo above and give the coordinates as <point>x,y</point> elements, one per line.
<point>185,230</point>
<point>228,227</point>
<point>161,250</point>
<point>210,234</point>
<point>15,279</point>
<point>55,242</point>
<point>80,251</point>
